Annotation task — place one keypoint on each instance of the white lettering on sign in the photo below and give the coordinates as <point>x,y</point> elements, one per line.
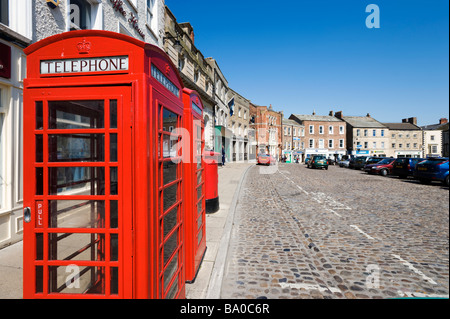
<point>88,65</point>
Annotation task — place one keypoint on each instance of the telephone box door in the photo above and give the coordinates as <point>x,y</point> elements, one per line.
<point>78,193</point>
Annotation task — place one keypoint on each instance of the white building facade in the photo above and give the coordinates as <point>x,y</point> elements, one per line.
<point>23,22</point>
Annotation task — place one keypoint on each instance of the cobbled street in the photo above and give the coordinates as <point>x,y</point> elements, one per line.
<point>341,233</point>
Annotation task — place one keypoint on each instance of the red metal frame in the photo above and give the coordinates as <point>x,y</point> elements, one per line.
<point>194,183</point>
<point>137,252</point>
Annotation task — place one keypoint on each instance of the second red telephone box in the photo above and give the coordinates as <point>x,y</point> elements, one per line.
<point>104,195</point>
<point>195,238</point>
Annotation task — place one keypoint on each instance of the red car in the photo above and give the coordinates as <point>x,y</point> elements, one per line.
<point>383,168</point>
<point>265,159</point>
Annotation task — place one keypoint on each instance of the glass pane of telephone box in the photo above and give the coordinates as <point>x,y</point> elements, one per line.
<point>76,180</point>
<point>65,115</point>
<point>74,246</point>
<point>76,148</point>
<point>75,279</point>
<point>76,214</point>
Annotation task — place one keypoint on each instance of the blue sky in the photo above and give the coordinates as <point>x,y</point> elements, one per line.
<point>319,55</point>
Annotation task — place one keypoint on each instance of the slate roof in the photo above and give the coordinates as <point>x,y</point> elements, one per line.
<point>290,122</point>
<point>402,126</point>
<point>317,118</point>
<point>363,122</point>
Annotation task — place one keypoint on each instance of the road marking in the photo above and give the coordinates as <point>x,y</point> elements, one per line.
<point>332,211</point>
<point>309,287</point>
<point>417,271</point>
<point>359,230</point>
<point>420,295</point>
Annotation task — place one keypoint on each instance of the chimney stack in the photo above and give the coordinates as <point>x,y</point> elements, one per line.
<point>368,115</point>
<point>443,121</point>
<point>331,113</point>
<point>338,115</point>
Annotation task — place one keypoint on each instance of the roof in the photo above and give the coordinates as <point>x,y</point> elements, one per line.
<point>317,118</point>
<point>363,122</point>
<point>434,127</point>
<point>402,126</point>
<point>290,122</point>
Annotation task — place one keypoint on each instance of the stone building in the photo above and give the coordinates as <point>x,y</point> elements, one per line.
<point>293,141</point>
<point>222,134</point>
<point>23,22</point>
<point>433,139</point>
<point>267,124</point>
<point>324,135</point>
<point>141,19</point>
<point>365,136</point>
<point>405,139</point>
<point>197,74</point>
<point>239,125</point>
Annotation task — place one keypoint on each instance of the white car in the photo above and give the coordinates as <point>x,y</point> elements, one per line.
<point>344,163</point>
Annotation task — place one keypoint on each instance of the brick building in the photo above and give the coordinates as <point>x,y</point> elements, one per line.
<point>324,135</point>
<point>267,124</point>
<point>293,141</point>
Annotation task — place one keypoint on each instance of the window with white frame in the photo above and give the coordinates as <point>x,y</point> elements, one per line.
<point>330,129</point>
<point>321,129</point>
<point>311,129</point>
<point>85,15</point>
<point>321,143</point>
<point>311,143</point>
<point>341,143</point>
<point>150,12</point>
<point>330,144</point>
<point>341,129</point>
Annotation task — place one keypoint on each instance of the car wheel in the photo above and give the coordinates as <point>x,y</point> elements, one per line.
<point>447,180</point>
<point>384,172</point>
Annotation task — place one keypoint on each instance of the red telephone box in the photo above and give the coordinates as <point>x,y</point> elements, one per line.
<point>103,195</point>
<point>195,231</point>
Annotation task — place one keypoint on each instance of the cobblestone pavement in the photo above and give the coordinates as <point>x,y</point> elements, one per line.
<point>303,233</point>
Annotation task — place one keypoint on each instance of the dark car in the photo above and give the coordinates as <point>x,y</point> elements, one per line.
<point>433,169</point>
<point>383,167</point>
<point>404,167</point>
<point>360,162</point>
<point>351,162</point>
<point>318,161</point>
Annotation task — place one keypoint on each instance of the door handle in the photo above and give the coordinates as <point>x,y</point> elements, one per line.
<point>27,214</point>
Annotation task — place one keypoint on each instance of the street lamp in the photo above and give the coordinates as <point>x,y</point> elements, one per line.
<point>177,46</point>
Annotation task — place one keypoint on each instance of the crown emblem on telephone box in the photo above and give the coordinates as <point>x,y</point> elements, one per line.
<point>84,47</point>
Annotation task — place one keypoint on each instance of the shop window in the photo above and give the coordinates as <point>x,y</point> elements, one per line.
<point>2,160</point>
<point>4,12</point>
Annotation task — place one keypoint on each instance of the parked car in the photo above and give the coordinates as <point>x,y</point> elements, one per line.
<point>318,161</point>
<point>383,167</point>
<point>307,160</point>
<point>360,162</point>
<point>404,167</point>
<point>344,163</point>
<point>351,162</point>
<point>433,169</point>
<point>374,160</point>
<point>266,159</point>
